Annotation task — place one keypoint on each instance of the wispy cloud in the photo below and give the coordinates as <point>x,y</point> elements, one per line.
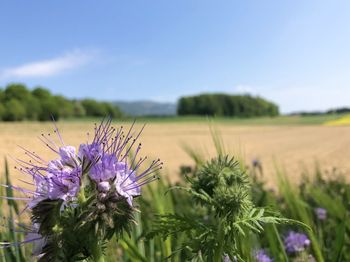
<point>50,67</point>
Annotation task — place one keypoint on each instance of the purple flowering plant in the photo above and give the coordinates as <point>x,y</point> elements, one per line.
<point>296,242</point>
<point>85,196</point>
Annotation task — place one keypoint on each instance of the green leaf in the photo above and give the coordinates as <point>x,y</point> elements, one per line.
<point>47,214</point>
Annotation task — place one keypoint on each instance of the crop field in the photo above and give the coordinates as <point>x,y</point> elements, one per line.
<point>289,143</point>
<point>286,197</point>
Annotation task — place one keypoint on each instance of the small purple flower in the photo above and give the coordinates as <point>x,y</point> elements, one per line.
<point>296,242</point>
<point>55,179</point>
<point>90,152</point>
<point>64,184</point>
<point>68,155</point>
<point>321,213</point>
<point>261,256</point>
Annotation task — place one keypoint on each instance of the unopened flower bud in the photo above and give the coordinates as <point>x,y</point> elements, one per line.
<point>103,186</point>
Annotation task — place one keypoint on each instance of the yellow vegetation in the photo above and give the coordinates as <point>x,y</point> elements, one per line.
<point>343,121</point>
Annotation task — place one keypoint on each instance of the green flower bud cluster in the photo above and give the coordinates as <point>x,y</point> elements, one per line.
<point>225,185</point>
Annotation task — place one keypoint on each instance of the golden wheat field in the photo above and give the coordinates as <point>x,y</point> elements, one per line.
<point>296,148</point>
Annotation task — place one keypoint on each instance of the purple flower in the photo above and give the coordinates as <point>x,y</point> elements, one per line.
<point>321,213</point>
<point>56,179</point>
<point>111,171</point>
<point>68,155</point>
<point>64,184</point>
<point>261,256</point>
<point>60,179</point>
<point>296,242</point>
<point>108,168</point>
<point>107,161</point>
<point>90,152</point>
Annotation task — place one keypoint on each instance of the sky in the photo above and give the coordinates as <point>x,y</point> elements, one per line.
<point>295,53</point>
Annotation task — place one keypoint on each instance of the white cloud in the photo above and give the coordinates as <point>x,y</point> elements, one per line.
<point>49,67</point>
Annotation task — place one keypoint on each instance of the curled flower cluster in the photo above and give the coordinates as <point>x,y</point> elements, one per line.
<point>84,195</point>
<point>296,242</point>
<point>227,184</point>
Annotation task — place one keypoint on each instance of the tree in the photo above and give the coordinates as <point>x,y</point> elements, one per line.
<point>2,95</point>
<point>226,105</point>
<point>14,110</point>
<point>49,109</point>
<point>33,107</point>
<point>93,108</point>
<point>16,91</point>
<point>2,111</point>
<point>41,93</point>
<point>78,109</point>
<point>111,110</point>
<point>65,106</point>
<point>18,103</point>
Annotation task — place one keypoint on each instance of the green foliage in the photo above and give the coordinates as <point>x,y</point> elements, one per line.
<point>41,93</point>
<point>226,105</point>
<point>16,91</point>
<point>49,109</point>
<point>2,111</point>
<point>11,253</point>
<point>111,110</point>
<point>81,231</point>
<point>65,106</point>
<point>47,214</point>
<point>14,111</point>
<point>222,216</point>
<point>18,103</point>
<point>330,238</point>
<point>78,109</point>
<point>94,108</point>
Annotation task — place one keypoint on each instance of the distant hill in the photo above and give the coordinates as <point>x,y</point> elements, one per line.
<point>146,108</point>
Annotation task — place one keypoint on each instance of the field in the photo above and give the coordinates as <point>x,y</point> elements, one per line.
<point>221,212</point>
<point>296,143</point>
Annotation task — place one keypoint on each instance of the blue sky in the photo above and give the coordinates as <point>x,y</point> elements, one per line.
<point>296,53</point>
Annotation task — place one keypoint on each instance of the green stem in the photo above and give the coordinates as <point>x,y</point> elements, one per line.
<point>219,249</point>
<point>281,245</point>
<point>81,196</point>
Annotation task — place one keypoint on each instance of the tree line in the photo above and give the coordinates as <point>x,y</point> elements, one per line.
<point>226,105</point>
<point>18,103</point>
